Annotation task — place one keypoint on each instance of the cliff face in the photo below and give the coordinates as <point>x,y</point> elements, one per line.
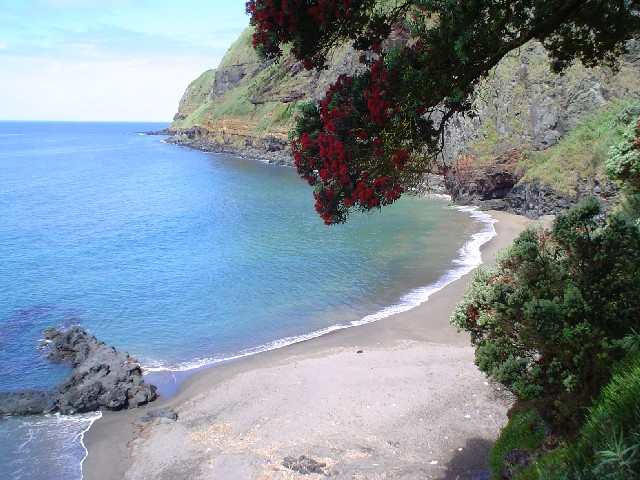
<point>247,107</point>
<point>505,156</point>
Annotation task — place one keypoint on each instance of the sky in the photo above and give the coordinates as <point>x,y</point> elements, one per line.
<point>108,60</point>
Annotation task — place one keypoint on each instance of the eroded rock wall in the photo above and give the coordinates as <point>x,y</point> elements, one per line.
<point>523,108</point>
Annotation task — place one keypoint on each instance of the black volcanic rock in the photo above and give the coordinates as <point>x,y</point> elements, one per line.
<point>29,402</point>
<point>102,378</point>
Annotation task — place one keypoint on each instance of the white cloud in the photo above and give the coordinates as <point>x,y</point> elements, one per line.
<point>86,3</point>
<point>87,60</point>
<point>127,88</point>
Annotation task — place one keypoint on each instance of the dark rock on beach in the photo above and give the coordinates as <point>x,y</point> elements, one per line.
<point>29,402</point>
<point>102,379</point>
<point>304,465</point>
<point>159,413</point>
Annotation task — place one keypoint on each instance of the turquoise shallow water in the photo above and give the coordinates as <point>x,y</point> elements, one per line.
<point>186,259</point>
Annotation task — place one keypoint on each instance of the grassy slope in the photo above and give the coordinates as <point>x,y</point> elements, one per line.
<point>608,445</point>
<point>581,153</point>
<point>240,51</point>
<point>234,104</point>
<point>196,94</point>
<point>259,102</point>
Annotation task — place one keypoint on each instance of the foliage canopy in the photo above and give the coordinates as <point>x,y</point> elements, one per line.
<point>375,134</point>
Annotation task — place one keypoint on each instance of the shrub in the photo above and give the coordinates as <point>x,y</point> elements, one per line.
<point>609,444</point>
<point>623,162</point>
<point>549,320</point>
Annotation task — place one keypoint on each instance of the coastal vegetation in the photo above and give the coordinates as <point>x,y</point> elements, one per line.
<point>623,164</point>
<point>607,446</point>
<point>583,152</point>
<point>553,317</point>
<point>557,321</point>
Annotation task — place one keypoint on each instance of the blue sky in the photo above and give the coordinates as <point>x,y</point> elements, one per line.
<point>98,60</point>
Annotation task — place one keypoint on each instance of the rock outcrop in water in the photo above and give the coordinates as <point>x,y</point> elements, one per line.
<point>102,379</point>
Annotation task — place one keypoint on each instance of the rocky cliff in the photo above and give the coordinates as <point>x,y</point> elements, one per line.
<point>247,107</point>
<point>513,154</point>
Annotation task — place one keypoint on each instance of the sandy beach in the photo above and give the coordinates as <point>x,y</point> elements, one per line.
<point>397,398</point>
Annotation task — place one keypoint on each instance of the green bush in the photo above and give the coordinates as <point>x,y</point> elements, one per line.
<point>549,320</point>
<point>609,444</point>
<point>623,161</point>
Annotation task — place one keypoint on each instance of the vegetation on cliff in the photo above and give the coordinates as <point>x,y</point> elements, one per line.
<point>582,152</point>
<point>607,446</point>
<point>623,162</point>
<point>349,147</point>
<point>551,322</point>
<point>579,154</point>
<point>248,105</point>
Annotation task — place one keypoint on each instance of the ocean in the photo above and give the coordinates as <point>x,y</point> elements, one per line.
<point>185,259</point>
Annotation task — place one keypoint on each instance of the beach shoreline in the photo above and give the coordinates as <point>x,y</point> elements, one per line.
<point>397,397</point>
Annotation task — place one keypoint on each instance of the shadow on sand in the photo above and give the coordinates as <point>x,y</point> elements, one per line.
<point>470,463</point>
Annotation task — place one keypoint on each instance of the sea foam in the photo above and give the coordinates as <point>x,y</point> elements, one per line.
<point>28,454</point>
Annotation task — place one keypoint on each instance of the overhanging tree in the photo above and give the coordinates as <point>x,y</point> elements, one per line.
<point>376,133</point>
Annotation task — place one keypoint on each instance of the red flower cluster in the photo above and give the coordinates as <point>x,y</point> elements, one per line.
<point>380,107</point>
<point>334,159</point>
<point>473,313</point>
<point>327,11</point>
<point>400,158</point>
<point>286,21</point>
<point>275,23</point>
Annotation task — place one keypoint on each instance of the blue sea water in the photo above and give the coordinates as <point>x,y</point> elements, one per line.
<point>185,259</point>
